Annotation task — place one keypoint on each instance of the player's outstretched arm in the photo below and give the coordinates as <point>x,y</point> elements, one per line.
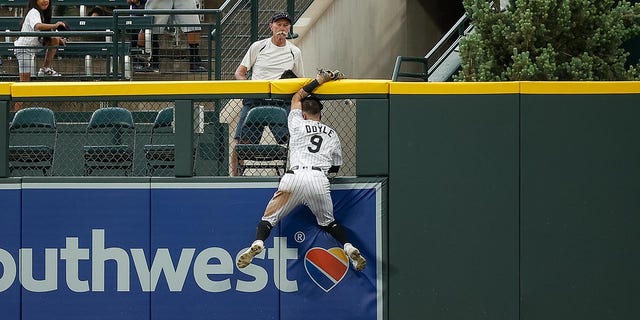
<point>323,76</point>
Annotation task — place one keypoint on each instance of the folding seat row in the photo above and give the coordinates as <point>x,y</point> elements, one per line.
<point>106,134</point>
<point>110,141</point>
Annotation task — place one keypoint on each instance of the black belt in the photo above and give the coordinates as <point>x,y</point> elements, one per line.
<point>303,168</point>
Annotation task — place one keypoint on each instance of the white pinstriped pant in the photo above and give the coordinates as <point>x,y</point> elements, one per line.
<point>303,187</point>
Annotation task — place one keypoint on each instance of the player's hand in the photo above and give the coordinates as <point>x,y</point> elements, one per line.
<point>323,76</point>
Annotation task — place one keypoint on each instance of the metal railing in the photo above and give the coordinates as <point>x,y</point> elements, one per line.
<point>211,55</point>
<point>246,22</point>
<point>76,51</point>
<point>435,58</point>
<point>226,34</point>
<point>232,28</point>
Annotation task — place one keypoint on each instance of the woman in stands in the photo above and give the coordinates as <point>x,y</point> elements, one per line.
<point>38,18</point>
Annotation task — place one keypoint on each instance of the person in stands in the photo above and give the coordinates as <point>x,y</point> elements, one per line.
<point>38,18</point>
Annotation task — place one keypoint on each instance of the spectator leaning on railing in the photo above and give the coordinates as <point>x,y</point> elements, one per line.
<point>192,30</point>
<point>137,39</point>
<point>267,59</point>
<point>38,18</point>
<point>140,64</point>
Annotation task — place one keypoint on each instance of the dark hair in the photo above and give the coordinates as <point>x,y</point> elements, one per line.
<point>44,15</point>
<point>311,105</point>
<point>99,10</point>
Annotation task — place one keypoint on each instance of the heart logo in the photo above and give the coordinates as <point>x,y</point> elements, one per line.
<point>326,267</point>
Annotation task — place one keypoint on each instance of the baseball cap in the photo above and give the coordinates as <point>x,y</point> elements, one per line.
<point>280,15</point>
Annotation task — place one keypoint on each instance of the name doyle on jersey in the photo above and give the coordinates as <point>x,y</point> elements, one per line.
<point>319,128</point>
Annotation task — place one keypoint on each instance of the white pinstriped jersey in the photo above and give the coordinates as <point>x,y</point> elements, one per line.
<point>312,143</point>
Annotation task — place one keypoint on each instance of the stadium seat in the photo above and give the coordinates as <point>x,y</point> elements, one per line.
<point>28,126</point>
<point>160,153</point>
<point>106,136</point>
<point>264,156</point>
<point>161,156</point>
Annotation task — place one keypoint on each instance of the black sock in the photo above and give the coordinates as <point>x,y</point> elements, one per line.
<point>337,232</point>
<point>263,230</point>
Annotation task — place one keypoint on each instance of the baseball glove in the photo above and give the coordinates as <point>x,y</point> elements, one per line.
<point>337,75</point>
<point>328,75</point>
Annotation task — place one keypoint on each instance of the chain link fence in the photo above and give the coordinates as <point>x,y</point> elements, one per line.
<point>137,138</point>
<point>147,49</point>
<point>238,32</point>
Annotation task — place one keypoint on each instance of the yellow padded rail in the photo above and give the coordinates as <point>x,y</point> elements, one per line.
<point>138,88</point>
<point>454,87</point>
<point>346,86</point>
<point>289,86</point>
<point>5,88</point>
<point>579,87</point>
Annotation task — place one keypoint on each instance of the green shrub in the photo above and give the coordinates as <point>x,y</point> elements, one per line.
<point>548,40</point>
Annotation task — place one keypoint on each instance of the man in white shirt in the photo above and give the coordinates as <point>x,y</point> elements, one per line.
<point>268,59</point>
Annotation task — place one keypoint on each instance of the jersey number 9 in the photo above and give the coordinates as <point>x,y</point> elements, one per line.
<point>316,141</point>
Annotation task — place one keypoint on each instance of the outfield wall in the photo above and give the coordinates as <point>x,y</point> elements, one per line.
<point>153,249</point>
<point>523,198</point>
<point>513,200</point>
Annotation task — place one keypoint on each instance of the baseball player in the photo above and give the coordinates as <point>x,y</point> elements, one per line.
<point>314,151</point>
<point>192,31</point>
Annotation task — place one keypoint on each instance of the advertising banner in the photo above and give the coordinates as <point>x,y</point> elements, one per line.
<point>9,244</point>
<point>168,251</point>
<point>77,248</point>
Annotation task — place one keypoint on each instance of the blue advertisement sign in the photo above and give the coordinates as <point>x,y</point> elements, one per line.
<point>75,242</point>
<point>327,283</point>
<point>9,245</point>
<point>168,251</point>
